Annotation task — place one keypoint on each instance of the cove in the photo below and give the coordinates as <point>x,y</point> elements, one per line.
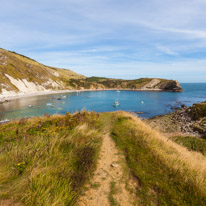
<point>149,103</point>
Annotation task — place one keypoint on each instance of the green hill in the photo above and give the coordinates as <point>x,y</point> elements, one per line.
<point>145,84</point>
<point>22,74</point>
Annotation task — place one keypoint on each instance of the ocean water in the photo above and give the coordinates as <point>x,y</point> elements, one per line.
<point>155,103</point>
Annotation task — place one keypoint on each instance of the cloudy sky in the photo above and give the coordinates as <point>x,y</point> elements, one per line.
<point>113,38</point>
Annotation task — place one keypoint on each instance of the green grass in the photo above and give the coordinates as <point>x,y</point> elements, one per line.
<point>113,191</point>
<point>48,160</point>
<point>163,178</point>
<point>95,79</point>
<point>95,185</point>
<point>192,143</point>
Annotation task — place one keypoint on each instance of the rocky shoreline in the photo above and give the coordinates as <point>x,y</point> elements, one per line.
<point>185,121</point>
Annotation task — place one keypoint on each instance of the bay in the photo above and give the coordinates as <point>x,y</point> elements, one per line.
<point>150,103</point>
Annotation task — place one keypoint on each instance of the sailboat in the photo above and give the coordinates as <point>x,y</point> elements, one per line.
<point>50,104</point>
<point>116,104</point>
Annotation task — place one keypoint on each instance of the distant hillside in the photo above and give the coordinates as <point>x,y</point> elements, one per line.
<point>144,84</point>
<point>20,74</point>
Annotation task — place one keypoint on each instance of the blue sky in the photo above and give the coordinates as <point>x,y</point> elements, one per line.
<point>113,38</point>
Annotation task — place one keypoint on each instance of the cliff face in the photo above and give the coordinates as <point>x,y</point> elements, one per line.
<point>161,84</point>
<point>20,74</point>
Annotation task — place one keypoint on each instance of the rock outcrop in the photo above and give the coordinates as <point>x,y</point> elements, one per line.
<point>171,85</point>
<point>188,120</point>
<point>166,85</point>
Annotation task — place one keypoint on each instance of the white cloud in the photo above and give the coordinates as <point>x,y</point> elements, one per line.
<point>166,50</point>
<point>100,36</point>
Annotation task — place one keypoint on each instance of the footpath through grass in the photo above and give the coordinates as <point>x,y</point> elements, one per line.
<point>46,161</point>
<point>167,173</point>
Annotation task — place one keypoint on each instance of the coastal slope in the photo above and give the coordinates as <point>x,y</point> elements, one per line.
<point>22,75</point>
<point>93,158</point>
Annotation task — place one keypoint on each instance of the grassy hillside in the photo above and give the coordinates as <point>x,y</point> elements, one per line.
<point>138,84</point>
<point>168,174</point>
<point>21,67</point>
<point>49,160</point>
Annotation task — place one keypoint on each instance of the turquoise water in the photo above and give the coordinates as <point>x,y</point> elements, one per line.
<point>155,103</point>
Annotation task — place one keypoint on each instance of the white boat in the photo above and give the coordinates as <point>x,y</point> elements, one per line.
<point>30,106</point>
<point>50,104</point>
<point>116,104</point>
<point>142,102</point>
<point>4,121</point>
<point>118,91</point>
<point>64,97</point>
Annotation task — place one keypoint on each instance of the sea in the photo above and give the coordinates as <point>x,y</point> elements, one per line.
<point>147,103</point>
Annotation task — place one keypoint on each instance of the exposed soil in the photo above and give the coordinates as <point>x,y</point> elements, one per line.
<point>9,203</point>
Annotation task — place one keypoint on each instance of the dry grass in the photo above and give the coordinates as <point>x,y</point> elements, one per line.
<point>188,165</point>
<point>175,155</point>
<point>50,159</point>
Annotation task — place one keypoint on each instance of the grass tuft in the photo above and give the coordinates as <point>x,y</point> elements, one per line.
<point>113,191</point>
<point>49,160</point>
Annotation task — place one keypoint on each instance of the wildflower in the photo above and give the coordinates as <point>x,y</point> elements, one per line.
<point>21,163</point>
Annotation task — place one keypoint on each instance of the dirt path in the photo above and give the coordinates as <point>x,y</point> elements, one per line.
<point>110,181</point>
<point>9,203</point>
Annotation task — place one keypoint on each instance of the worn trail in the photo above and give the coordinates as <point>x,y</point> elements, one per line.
<point>111,184</point>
